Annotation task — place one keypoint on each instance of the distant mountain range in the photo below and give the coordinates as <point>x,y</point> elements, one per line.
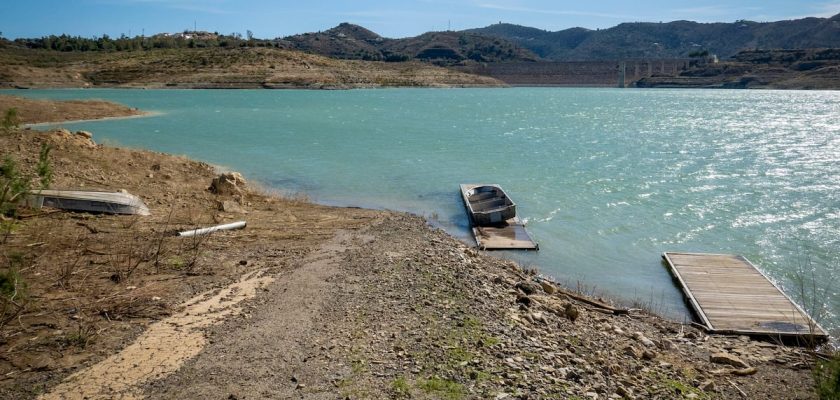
<point>507,42</point>
<point>669,40</point>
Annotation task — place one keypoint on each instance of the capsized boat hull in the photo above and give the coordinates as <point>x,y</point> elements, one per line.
<point>90,201</point>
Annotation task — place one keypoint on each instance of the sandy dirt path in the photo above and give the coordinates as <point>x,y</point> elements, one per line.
<point>162,349</point>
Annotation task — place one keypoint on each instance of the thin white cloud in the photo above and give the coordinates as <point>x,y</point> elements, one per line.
<point>201,6</point>
<point>714,11</point>
<point>556,12</point>
<point>827,9</point>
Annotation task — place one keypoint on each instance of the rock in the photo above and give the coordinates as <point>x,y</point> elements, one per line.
<point>229,183</point>
<point>538,316</point>
<point>231,206</point>
<point>63,132</point>
<point>745,371</point>
<point>633,352</point>
<point>623,391</point>
<point>527,287</point>
<point>643,339</point>
<point>666,344</point>
<point>692,396</point>
<point>524,300</point>
<point>571,312</point>
<point>707,386</point>
<point>728,359</point>
<point>84,134</point>
<point>648,355</point>
<point>548,287</point>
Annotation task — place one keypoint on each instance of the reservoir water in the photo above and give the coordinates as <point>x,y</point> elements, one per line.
<point>607,179</point>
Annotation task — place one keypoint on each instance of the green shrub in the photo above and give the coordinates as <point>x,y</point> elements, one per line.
<point>14,184</point>
<point>11,121</point>
<point>827,378</point>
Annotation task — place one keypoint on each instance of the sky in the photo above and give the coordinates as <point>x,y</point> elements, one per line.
<point>394,19</point>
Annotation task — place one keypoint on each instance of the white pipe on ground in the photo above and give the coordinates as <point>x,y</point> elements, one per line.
<point>204,231</point>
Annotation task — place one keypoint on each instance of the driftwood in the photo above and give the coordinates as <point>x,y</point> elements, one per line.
<point>586,300</point>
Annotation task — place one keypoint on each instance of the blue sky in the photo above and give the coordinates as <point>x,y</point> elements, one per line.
<point>268,19</point>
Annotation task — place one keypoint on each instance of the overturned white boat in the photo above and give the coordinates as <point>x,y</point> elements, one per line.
<point>120,202</point>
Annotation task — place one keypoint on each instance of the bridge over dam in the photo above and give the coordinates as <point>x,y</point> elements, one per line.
<point>615,73</point>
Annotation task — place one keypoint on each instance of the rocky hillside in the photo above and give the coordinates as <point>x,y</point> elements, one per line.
<point>669,40</point>
<point>217,68</point>
<point>348,41</point>
<point>770,69</point>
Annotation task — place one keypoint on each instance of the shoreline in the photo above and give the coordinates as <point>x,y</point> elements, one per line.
<point>143,114</point>
<point>351,302</point>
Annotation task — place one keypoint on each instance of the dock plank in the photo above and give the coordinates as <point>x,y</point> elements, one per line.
<point>730,295</point>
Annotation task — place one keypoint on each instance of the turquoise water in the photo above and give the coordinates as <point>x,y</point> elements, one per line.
<point>607,179</point>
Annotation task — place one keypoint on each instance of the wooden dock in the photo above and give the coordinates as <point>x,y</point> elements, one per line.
<point>731,296</point>
<point>511,235</point>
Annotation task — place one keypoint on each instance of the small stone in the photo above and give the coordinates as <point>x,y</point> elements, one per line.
<point>633,352</point>
<point>648,355</point>
<point>643,339</point>
<point>538,316</point>
<point>692,396</point>
<point>85,134</point>
<point>728,359</point>
<point>243,262</point>
<point>527,287</point>
<point>666,344</point>
<point>707,386</point>
<point>524,300</point>
<point>155,298</point>
<point>623,391</point>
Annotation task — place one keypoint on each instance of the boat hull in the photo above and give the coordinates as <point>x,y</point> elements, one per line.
<point>90,201</point>
<point>488,205</point>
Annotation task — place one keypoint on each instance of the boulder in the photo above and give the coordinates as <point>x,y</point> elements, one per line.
<point>228,183</point>
<point>84,134</point>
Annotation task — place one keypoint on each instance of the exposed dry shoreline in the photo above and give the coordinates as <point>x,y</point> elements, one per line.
<point>346,303</point>
<point>252,68</point>
<point>32,111</point>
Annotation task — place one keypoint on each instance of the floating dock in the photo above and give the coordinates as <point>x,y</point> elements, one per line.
<point>510,235</point>
<point>731,296</point>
